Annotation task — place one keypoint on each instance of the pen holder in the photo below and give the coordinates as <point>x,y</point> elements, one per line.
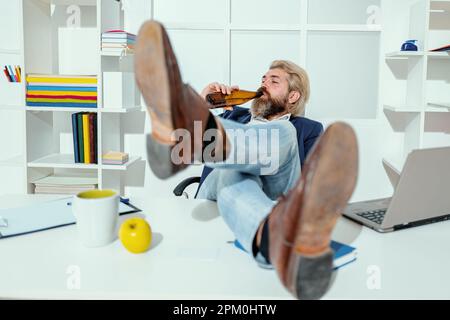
<point>11,93</point>
<point>12,73</point>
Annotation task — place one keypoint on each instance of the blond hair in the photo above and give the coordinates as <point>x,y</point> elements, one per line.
<point>298,80</point>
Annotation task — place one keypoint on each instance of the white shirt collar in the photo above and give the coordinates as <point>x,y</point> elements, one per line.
<point>286,116</point>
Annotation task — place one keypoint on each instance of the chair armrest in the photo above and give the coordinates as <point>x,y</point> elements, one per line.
<point>179,189</point>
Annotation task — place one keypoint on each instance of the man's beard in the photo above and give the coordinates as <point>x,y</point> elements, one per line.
<point>267,106</point>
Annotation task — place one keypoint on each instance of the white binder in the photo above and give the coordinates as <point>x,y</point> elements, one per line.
<point>44,216</point>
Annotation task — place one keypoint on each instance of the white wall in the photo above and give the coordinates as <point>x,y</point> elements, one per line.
<point>234,41</point>
<point>234,44</point>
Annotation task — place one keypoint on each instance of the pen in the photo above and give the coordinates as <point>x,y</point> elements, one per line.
<point>17,73</point>
<point>11,74</point>
<point>7,74</point>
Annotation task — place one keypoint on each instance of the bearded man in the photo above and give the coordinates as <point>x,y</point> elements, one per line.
<point>280,182</point>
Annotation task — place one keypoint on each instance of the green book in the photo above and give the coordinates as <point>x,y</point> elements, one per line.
<point>80,136</point>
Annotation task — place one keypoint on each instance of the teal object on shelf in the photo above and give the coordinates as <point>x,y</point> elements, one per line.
<point>409,45</point>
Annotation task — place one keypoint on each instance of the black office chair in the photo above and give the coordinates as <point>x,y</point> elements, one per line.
<point>179,189</point>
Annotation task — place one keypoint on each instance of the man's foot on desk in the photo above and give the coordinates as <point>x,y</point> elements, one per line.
<point>301,223</point>
<point>171,104</point>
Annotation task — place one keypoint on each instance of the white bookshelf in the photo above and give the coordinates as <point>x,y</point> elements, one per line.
<point>121,54</point>
<point>402,109</point>
<point>47,145</point>
<point>438,55</point>
<point>418,54</point>
<point>405,54</point>
<point>427,96</point>
<point>66,161</point>
<point>95,110</point>
<point>57,160</point>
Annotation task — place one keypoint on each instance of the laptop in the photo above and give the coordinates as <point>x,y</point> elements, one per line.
<point>421,194</point>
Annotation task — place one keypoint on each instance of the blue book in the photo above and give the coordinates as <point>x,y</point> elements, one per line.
<point>343,254</point>
<point>80,136</point>
<point>75,138</point>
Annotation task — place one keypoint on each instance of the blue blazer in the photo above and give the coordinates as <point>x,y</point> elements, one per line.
<point>307,133</point>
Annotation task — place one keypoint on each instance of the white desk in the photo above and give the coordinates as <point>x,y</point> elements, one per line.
<point>191,259</point>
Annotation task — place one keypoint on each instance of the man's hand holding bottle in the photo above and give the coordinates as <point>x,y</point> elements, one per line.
<point>215,87</point>
<point>223,96</point>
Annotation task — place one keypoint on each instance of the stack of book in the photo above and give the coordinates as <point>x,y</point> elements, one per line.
<point>84,130</point>
<point>45,90</point>
<point>56,184</point>
<point>113,157</point>
<point>117,41</point>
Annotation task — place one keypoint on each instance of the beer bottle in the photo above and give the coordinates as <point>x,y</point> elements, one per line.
<point>220,100</point>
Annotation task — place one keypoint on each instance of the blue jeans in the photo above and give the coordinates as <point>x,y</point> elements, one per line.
<point>247,189</point>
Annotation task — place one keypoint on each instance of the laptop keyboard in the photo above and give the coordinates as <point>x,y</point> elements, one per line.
<point>376,216</point>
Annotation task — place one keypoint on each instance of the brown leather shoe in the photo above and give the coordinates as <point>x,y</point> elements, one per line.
<point>171,104</point>
<point>301,223</point>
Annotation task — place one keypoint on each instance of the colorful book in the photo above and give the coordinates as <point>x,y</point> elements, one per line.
<point>61,104</point>
<point>118,50</point>
<point>80,136</point>
<point>61,78</point>
<point>75,91</point>
<point>45,86</point>
<point>116,33</point>
<point>91,138</point>
<point>87,157</point>
<point>63,99</point>
<point>115,157</point>
<point>117,40</point>
<point>75,138</point>
<point>117,45</point>
<point>62,94</point>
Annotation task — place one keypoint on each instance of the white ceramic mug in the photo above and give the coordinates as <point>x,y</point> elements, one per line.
<point>96,213</point>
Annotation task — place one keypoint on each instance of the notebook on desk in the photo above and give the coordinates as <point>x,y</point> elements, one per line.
<point>343,254</point>
<point>44,216</point>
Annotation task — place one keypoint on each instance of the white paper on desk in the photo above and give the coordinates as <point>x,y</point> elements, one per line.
<point>41,216</point>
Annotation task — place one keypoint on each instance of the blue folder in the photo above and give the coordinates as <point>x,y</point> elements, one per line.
<point>343,254</point>
<point>44,216</point>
